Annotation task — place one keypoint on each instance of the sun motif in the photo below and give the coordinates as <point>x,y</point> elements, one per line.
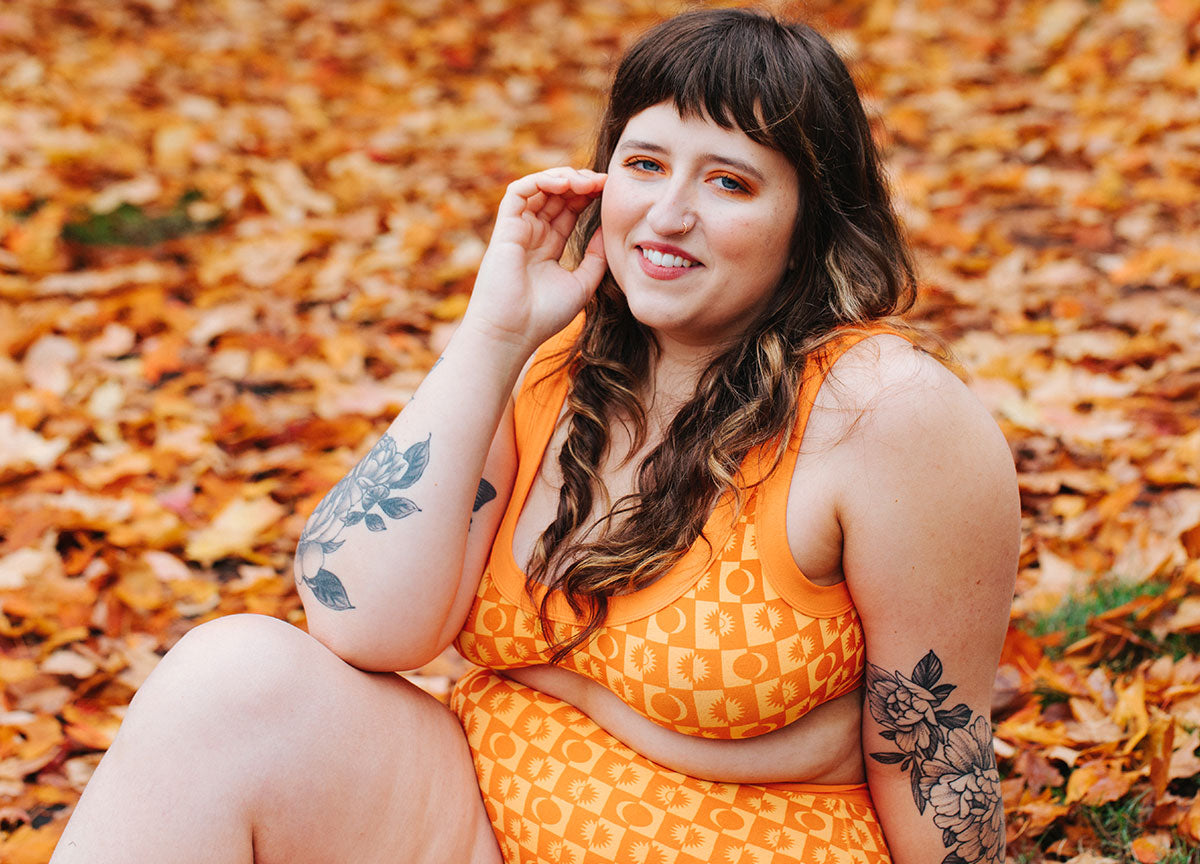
<point>671,797</point>
<point>529,624</point>
<point>502,703</point>
<point>719,622</point>
<point>856,836</point>
<point>767,618</point>
<point>618,685</point>
<point>537,728</point>
<point>538,768</point>
<point>595,835</point>
<point>559,853</point>
<point>736,855</point>
<point>647,853</point>
<point>693,667</point>
<point>727,710</point>
<point>783,694</point>
<point>514,649</point>
<point>821,854</point>
<point>625,776</point>
<point>779,838</point>
<point>643,659</point>
<point>830,629</point>
<point>581,791</point>
<point>518,830</point>
<point>686,836</point>
<point>801,649</point>
<point>509,788</point>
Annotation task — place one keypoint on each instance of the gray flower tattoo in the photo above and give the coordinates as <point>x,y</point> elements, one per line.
<point>371,485</point>
<point>948,755</point>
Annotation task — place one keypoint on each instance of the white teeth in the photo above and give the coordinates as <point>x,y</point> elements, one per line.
<point>656,257</point>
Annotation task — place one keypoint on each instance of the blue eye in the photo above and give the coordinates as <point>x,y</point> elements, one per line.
<point>642,164</point>
<point>729,184</point>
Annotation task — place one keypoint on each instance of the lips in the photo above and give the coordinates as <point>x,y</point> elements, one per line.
<point>664,265</point>
<point>663,261</point>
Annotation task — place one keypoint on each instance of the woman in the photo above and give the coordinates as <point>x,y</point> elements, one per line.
<point>713,493</point>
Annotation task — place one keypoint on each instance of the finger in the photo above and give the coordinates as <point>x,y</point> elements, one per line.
<point>579,203</point>
<point>529,193</point>
<point>555,204</point>
<point>564,224</point>
<point>594,264</point>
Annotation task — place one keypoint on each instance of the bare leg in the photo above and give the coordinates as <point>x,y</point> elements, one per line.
<point>252,742</point>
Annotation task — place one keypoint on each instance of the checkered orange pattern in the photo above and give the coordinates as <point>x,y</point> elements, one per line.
<point>733,642</point>
<point>728,658</point>
<point>561,790</point>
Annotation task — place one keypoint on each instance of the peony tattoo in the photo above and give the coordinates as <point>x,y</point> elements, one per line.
<point>371,485</point>
<point>948,756</point>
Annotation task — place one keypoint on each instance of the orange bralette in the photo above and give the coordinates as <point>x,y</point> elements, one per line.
<point>732,642</point>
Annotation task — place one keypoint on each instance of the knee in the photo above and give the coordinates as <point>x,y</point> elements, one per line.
<point>238,670</point>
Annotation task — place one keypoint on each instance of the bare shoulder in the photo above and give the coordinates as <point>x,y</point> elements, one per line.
<point>885,395</point>
<point>927,483</point>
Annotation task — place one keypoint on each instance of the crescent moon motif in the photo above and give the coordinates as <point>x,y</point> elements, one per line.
<point>500,745</point>
<point>739,582</point>
<point>668,706</point>
<point>548,814</point>
<point>670,620</point>
<point>634,814</point>
<point>750,666</point>
<point>494,619</point>
<point>607,646</point>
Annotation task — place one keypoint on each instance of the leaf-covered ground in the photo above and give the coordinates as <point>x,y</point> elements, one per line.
<point>234,234</point>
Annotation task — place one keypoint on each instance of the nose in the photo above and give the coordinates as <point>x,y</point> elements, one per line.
<point>673,213</point>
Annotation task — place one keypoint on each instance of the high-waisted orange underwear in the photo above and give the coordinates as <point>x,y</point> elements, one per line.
<point>561,790</point>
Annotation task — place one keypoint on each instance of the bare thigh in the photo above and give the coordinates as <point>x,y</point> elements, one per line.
<point>253,742</point>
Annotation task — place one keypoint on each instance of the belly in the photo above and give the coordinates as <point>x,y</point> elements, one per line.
<point>822,747</point>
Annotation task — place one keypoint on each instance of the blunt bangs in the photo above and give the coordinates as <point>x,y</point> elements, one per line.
<point>739,69</point>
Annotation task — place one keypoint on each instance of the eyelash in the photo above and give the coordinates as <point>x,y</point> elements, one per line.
<point>637,163</point>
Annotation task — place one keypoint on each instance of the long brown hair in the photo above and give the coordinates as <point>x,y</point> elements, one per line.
<point>785,87</point>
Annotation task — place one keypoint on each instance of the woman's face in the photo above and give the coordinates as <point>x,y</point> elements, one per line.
<point>697,222</point>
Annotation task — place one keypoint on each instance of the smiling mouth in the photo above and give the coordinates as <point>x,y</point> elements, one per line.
<point>664,260</point>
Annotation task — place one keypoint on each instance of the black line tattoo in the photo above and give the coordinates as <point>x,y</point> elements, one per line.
<point>369,485</point>
<point>485,493</point>
<point>948,754</point>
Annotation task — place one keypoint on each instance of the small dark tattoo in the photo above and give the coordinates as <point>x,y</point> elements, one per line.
<point>485,493</point>
<point>369,485</point>
<point>948,755</point>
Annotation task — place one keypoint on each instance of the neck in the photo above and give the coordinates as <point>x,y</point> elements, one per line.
<point>677,367</point>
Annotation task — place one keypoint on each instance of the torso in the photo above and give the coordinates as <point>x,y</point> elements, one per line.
<point>786,754</point>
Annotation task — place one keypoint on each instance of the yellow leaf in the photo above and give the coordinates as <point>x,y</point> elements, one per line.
<point>235,531</point>
<point>450,308</point>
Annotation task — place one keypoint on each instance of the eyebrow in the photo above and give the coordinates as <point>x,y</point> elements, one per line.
<point>744,167</point>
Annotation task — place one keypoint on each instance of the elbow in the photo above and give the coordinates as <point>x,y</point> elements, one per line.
<point>373,649</point>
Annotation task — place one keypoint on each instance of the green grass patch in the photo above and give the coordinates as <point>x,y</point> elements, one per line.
<point>130,225</point>
<point>1120,822</point>
<point>1072,616</point>
<point>1071,621</point>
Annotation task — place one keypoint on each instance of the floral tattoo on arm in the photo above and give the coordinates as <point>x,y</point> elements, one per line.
<point>370,485</point>
<point>948,755</point>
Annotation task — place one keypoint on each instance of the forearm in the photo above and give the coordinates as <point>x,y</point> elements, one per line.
<point>379,565</point>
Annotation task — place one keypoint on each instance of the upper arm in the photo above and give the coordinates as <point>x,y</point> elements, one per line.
<point>930,518</point>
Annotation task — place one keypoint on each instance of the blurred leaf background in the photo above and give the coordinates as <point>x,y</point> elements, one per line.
<point>234,234</point>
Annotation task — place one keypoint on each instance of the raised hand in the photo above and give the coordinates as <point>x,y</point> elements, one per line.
<point>522,294</point>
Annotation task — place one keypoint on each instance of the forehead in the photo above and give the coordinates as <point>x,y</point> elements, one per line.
<point>669,132</point>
